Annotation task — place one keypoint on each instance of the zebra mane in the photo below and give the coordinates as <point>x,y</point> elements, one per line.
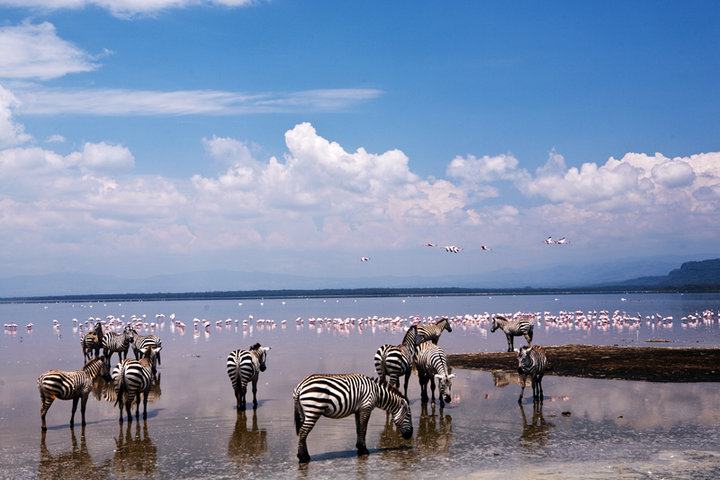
<point>383,382</point>
<point>101,358</point>
<point>255,347</point>
<point>443,319</point>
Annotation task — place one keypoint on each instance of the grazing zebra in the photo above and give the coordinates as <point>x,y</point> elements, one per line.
<point>117,342</point>
<point>243,367</point>
<point>432,332</point>
<point>394,361</point>
<point>142,342</point>
<point>512,329</point>
<point>337,396</point>
<point>133,378</point>
<point>532,362</point>
<point>432,365</point>
<point>91,342</point>
<point>70,386</point>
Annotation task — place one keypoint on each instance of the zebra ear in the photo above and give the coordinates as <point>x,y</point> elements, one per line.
<point>452,375</point>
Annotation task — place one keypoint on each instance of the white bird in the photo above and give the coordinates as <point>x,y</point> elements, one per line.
<point>364,259</point>
<point>562,241</point>
<point>549,241</point>
<point>452,249</point>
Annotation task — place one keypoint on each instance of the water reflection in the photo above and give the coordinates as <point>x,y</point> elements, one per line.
<point>73,464</point>
<point>503,379</point>
<point>247,444</point>
<point>537,430</point>
<point>434,432</point>
<point>134,454</point>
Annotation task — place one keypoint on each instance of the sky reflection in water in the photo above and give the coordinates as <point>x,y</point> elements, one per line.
<point>194,430</point>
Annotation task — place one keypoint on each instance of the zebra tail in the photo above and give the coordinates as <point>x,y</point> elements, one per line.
<point>382,368</point>
<point>122,389</point>
<point>298,417</point>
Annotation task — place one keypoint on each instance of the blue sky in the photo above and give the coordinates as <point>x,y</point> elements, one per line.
<point>297,137</point>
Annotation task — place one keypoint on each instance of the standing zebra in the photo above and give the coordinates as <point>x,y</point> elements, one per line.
<point>142,342</point>
<point>337,396</point>
<point>243,367</point>
<point>432,365</point>
<point>92,342</point>
<point>70,386</point>
<point>133,378</point>
<point>532,362</point>
<point>512,329</point>
<point>432,332</point>
<point>117,342</point>
<point>394,361</point>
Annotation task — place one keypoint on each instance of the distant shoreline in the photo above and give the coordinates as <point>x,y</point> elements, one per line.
<point>354,293</point>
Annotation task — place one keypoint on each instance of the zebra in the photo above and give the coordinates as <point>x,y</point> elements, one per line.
<point>131,378</point>
<point>142,342</point>
<point>395,361</point>
<point>431,365</point>
<point>532,362</point>
<point>70,386</point>
<point>512,329</point>
<point>337,396</point>
<point>432,332</point>
<point>91,342</point>
<point>117,342</point>
<point>243,367</point>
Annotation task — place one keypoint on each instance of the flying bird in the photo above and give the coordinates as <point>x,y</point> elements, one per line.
<point>562,241</point>
<point>364,259</point>
<point>430,245</point>
<point>485,248</point>
<point>452,249</point>
<point>549,241</point>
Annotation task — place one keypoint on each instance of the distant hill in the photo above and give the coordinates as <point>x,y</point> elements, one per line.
<point>705,272</point>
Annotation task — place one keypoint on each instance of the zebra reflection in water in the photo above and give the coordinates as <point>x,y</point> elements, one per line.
<point>434,434</point>
<point>247,444</point>
<point>135,454</point>
<point>537,431</point>
<point>73,464</point>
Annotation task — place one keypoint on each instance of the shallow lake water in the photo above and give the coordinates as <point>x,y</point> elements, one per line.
<point>584,428</point>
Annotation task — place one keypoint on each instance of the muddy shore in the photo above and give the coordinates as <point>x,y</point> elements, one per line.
<point>652,364</point>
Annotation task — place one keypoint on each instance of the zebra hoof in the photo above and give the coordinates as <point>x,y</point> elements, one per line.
<point>363,451</point>
<point>303,458</point>
<point>44,429</point>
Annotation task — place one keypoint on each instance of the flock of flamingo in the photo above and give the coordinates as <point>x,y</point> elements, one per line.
<point>601,320</point>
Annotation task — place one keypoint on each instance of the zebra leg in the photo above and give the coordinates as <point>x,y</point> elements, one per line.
<point>74,407</point>
<point>83,404</point>
<point>242,391</point>
<point>128,407</point>
<point>423,387</point>
<point>432,389</point>
<point>46,402</point>
<point>407,380</point>
<point>254,392</point>
<point>145,400</point>
<point>361,421</point>
<point>511,342</point>
<point>308,424</point>
<point>528,338</point>
<point>523,377</point>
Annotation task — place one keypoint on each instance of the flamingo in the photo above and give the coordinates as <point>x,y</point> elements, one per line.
<point>549,241</point>
<point>364,259</point>
<point>452,249</point>
<point>562,241</point>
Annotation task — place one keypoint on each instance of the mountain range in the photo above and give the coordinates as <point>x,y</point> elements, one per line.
<point>648,272</point>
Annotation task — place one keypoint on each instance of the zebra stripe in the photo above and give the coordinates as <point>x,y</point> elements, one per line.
<point>337,396</point>
<point>513,329</point>
<point>532,362</point>
<point>392,362</point>
<point>91,342</point>
<point>70,386</point>
<point>432,332</point>
<point>432,365</point>
<point>133,378</point>
<point>243,367</point>
<point>141,343</point>
<point>117,342</point>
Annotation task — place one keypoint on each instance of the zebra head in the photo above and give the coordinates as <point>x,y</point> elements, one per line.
<point>447,326</point>
<point>402,417</point>
<point>494,325</point>
<point>522,356</point>
<point>261,354</point>
<point>128,333</point>
<point>104,371</point>
<point>444,382</point>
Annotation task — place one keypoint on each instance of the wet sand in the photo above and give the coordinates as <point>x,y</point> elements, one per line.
<point>652,364</point>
